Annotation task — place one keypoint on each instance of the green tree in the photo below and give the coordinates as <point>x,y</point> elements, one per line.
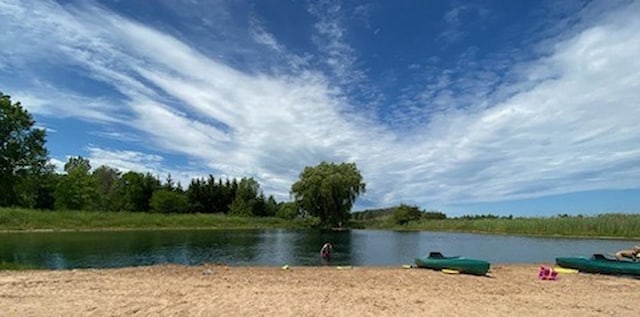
<point>241,208</point>
<point>405,213</point>
<point>22,148</point>
<point>288,210</point>
<point>169,184</point>
<point>328,191</point>
<point>197,196</point>
<point>260,206</point>
<point>168,201</point>
<point>434,215</point>
<point>206,195</point>
<point>246,198</point>
<point>226,194</point>
<point>137,189</point>
<point>76,190</point>
<point>37,190</point>
<point>270,206</point>
<point>109,189</point>
<point>77,163</point>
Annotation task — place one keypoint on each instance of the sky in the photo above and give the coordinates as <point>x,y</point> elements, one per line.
<point>529,108</point>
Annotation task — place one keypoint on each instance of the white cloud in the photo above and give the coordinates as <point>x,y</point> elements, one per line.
<point>58,165</point>
<point>261,36</point>
<point>46,129</point>
<point>50,102</point>
<point>125,161</point>
<point>453,23</point>
<point>118,136</point>
<point>569,122</point>
<point>331,40</point>
<point>567,126</point>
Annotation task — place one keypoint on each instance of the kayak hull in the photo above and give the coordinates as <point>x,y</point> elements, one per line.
<point>600,264</point>
<point>436,261</point>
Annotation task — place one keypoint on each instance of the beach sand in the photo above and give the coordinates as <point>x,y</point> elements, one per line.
<point>217,290</point>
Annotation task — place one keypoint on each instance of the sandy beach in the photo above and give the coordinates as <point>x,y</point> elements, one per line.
<point>216,290</point>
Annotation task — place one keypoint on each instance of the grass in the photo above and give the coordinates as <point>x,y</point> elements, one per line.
<point>600,226</point>
<point>13,219</point>
<point>7,266</point>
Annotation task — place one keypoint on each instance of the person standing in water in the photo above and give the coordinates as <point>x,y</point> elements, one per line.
<point>632,254</point>
<point>325,252</point>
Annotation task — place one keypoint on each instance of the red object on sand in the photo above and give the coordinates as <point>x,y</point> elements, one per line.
<point>547,273</point>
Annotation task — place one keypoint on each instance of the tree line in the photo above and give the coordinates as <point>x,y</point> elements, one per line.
<point>108,189</point>
<point>325,192</point>
<point>401,214</point>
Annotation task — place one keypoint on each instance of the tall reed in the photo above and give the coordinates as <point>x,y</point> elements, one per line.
<point>613,225</point>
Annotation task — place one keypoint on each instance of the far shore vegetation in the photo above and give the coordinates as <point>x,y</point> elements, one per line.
<point>611,225</point>
<point>105,197</point>
<point>13,219</point>
<point>34,196</point>
<point>608,225</point>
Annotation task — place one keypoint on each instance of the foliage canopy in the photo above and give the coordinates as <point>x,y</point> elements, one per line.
<point>22,150</point>
<point>405,213</point>
<point>328,191</point>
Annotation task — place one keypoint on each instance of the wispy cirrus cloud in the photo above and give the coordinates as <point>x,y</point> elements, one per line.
<point>49,101</point>
<point>125,160</point>
<point>332,42</point>
<point>457,16</point>
<point>506,135</point>
<point>227,119</point>
<point>338,60</point>
<point>557,123</point>
<point>260,35</point>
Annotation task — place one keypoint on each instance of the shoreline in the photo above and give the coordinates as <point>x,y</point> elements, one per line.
<point>116,229</point>
<point>221,290</point>
<point>112,229</point>
<point>17,220</point>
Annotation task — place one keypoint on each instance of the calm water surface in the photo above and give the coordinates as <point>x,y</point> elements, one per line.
<point>63,250</point>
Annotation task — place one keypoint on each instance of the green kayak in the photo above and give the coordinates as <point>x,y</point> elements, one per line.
<point>598,263</point>
<point>436,261</point>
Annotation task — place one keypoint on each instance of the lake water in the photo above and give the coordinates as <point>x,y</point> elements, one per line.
<point>64,250</point>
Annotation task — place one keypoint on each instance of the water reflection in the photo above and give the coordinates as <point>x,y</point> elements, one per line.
<point>279,247</point>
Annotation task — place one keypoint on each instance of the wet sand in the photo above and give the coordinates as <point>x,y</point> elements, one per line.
<point>214,290</point>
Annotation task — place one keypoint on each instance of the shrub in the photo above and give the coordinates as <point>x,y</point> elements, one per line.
<point>166,201</point>
<point>241,208</point>
<point>287,211</point>
<point>434,215</point>
<point>405,213</point>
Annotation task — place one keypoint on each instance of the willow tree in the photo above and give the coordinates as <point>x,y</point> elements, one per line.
<point>328,191</point>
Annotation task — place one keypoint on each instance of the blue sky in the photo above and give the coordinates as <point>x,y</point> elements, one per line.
<point>508,107</point>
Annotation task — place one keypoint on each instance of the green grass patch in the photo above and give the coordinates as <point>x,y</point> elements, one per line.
<point>611,225</point>
<point>601,226</point>
<point>7,266</point>
<point>12,219</point>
